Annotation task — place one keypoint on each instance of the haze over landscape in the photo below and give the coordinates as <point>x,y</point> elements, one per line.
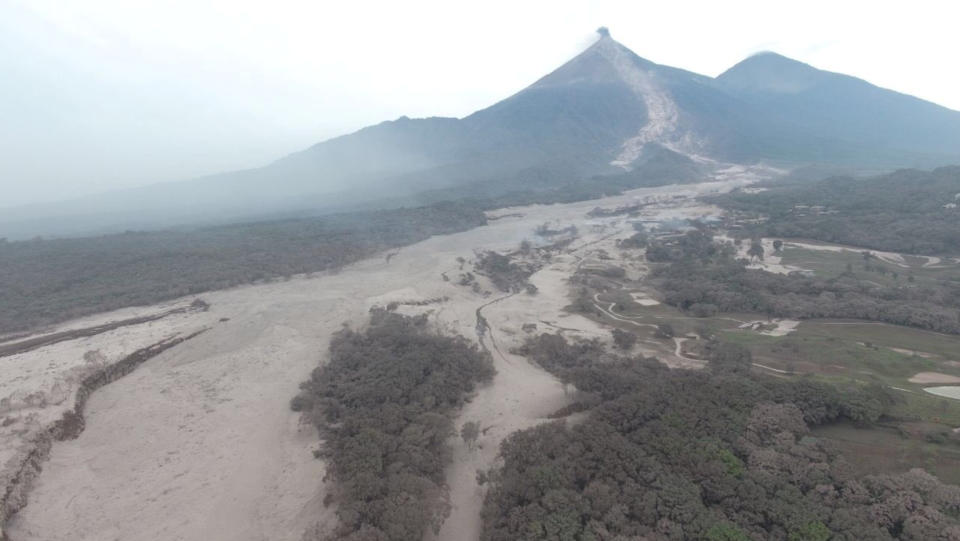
<point>131,94</point>
<point>393,273</point>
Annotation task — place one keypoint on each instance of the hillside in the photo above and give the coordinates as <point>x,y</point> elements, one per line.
<point>596,115</point>
<point>909,211</point>
<point>846,108</point>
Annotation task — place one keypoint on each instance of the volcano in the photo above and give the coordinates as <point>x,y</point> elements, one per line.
<point>607,111</point>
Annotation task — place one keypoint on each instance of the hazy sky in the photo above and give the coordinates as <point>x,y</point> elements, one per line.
<point>100,94</point>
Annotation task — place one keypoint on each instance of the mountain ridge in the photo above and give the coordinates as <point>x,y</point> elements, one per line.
<point>593,115</point>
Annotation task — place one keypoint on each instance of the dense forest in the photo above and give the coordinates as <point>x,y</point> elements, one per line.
<point>46,281</point>
<point>383,405</point>
<point>720,455</point>
<point>704,277</point>
<point>909,211</point>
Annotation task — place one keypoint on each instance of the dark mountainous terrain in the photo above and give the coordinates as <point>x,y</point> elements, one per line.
<point>846,109</point>
<point>598,114</point>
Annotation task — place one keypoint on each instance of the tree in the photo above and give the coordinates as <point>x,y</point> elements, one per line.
<point>726,532</point>
<point>777,245</point>
<point>704,309</point>
<point>583,303</point>
<point>812,531</point>
<point>729,357</point>
<point>756,249</point>
<point>623,339</point>
<point>470,432</point>
<point>382,404</point>
<point>681,454</point>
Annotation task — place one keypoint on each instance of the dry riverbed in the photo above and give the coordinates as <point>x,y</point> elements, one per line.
<point>199,442</point>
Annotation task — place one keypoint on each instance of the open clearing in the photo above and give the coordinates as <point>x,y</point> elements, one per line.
<point>886,449</point>
<point>887,268</point>
<point>952,391</point>
<point>859,350</point>
<point>934,377</point>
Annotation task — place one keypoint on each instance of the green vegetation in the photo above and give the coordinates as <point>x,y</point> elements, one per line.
<point>698,275</point>
<point>721,454</point>
<point>860,353</point>
<point>382,405</point>
<point>806,352</point>
<point>888,336</point>
<point>47,281</point>
<point>868,267</point>
<point>896,449</point>
<point>624,339</point>
<point>920,406</point>
<point>907,211</point>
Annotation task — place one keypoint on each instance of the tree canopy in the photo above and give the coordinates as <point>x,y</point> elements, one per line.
<point>714,455</point>
<point>383,406</point>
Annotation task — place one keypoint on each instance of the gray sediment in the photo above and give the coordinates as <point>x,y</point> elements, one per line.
<point>16,483</point>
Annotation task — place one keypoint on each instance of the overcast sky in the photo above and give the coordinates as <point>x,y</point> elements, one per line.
<point>101,94</point>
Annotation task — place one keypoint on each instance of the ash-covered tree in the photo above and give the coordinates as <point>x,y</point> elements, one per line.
<point>469,432</point>
<point>714,455</point>
<point>623,339</point>
<point>383,405</point>
<point>756,249</point>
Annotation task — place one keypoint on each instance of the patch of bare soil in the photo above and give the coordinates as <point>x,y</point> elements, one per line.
<point>933,377</point>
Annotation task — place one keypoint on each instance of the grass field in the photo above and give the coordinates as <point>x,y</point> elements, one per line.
<point>894,449</point>
<point>862,350</point>
<point>918,429</point>
<point>830,264</point>
<point>663,313</point>
<point>855,350</point>
<point>944,346</point>
<point>920,425</point>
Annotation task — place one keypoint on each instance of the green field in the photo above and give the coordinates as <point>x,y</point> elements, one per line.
<point>832,264</point>
<point>663,313</point>
<point>917,431</point>
<point>944,346</point>
<point>859,350</point>
<point>894,449</point>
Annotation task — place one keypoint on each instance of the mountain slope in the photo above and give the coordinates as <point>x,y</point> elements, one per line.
<point>844,107</point>
<point>598,114</point>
